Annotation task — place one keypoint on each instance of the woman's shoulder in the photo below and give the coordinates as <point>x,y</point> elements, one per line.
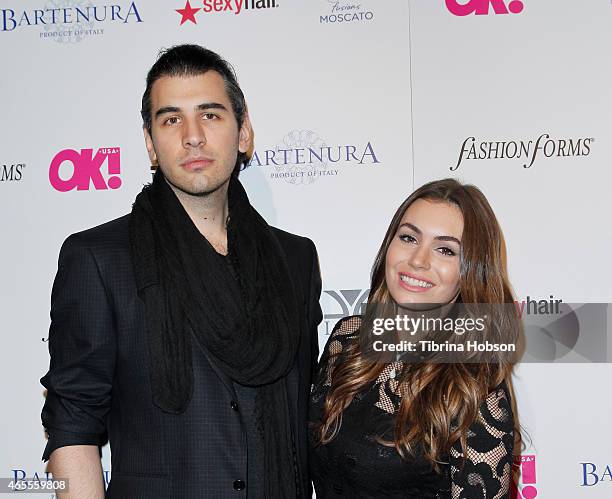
<point>347,325</point>
<point>344,332</point>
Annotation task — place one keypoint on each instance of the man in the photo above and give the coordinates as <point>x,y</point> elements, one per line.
<point>185,332</point>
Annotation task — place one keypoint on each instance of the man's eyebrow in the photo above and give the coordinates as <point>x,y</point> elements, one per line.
<point>438,238</point>
<point>210,105</point>
<point>166,110</point>
<point>205,106</point>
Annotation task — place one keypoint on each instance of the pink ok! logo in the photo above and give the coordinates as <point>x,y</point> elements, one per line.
<point>527,488</point>
<point>481,7</point>
<point>86,168</point>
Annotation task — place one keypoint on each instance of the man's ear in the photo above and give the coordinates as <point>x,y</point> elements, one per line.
<point>150,148</point>
<point>245,137</point>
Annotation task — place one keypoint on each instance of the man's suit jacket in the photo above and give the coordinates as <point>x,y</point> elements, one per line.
<point>98,384</point>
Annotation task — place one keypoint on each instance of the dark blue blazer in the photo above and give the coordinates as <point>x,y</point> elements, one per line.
<point>98,385</point>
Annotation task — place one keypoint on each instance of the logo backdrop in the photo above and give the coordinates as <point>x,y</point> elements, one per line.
<point>354,104</point>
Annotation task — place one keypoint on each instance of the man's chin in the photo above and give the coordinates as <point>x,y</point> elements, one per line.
<point>198,189</point>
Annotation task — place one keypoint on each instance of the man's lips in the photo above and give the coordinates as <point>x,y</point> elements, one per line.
<point>197,163</point>
<point>414,283</point>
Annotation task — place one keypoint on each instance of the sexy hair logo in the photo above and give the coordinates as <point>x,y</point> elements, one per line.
<point>85,169</point>
<point>188,12</point>
<point>481,7</point>
<point>526,489</point>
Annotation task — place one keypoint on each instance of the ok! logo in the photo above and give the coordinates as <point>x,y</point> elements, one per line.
<point>527,488</point>
<point>481,7</point>
<point>85,169</point>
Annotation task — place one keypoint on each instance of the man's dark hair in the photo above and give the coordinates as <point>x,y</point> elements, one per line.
<point>193,60</point>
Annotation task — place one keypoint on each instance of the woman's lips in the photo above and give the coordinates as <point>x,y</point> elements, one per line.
<point>409,282</point>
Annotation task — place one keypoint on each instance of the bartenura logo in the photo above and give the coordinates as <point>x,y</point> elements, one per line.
<point>71,22</point>
<point>527,150</point>
<point>188,13</point>
<point>11,172</point>
<point>525,488</point>
<point>302,157</point>
<point>343,11</point>
<point>40,480</point>
<point>481,7</point>
<point>593,474</point>
<point>80,169</point>
<point>345,302</point>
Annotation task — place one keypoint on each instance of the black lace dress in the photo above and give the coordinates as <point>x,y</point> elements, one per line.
<point>356,465</point>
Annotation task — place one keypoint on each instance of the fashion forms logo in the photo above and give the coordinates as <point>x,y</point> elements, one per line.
<point>80,169</point>
<point>527,150</point>
<point>11,172</point>
<point>481,7</point>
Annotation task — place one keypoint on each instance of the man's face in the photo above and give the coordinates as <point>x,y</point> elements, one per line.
<point>194,137</point>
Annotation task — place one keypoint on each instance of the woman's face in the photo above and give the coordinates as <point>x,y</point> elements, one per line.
<point>422,261</point>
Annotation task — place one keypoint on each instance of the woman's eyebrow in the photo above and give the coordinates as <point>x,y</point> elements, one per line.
<point>439,238</point>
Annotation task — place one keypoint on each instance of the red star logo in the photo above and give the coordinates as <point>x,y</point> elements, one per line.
<point>188,14</point>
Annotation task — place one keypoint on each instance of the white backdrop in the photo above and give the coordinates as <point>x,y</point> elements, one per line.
<point>400,84</point>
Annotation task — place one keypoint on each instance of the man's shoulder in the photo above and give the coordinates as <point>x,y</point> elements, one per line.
<point>294,244</point>
<point>113,234</point>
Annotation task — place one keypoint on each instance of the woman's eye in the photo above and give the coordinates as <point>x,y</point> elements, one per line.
<point>446,251</point>
<point>407,238</point>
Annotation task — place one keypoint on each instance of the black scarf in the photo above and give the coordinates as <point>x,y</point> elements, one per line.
<point>249,326</point>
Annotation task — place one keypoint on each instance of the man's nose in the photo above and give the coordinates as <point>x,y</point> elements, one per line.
<point>194,135</point>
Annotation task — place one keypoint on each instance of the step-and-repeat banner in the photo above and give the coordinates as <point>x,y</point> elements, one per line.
<point>354,104</point>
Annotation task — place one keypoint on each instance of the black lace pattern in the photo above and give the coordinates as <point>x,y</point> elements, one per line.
<point>355,464</point>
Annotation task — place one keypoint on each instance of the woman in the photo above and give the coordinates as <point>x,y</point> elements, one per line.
<point>422,429</point>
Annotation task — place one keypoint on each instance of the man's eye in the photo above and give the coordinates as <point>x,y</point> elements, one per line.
<point>446,251</point>
<point>173,120</point>
<point>209,116</point>
<point>407,238</point>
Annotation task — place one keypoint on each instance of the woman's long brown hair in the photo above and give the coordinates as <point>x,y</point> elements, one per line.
<point>439,401</point>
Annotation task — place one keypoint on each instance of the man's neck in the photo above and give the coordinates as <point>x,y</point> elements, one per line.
<point>209,214</point>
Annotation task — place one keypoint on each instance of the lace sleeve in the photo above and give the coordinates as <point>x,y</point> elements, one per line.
<point>344,331</point>
<point>486,471</point>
